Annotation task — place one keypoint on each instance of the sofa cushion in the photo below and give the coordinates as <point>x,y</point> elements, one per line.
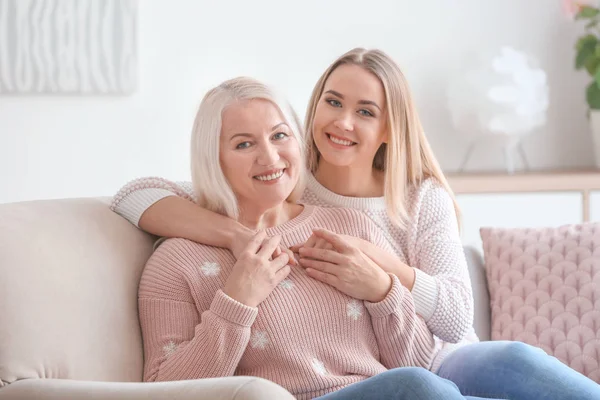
<point>69,273</point>
<point>545,290</point>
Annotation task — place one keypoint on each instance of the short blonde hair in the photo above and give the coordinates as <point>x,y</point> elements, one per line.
<point>212,189</point>
<point>406,139</point>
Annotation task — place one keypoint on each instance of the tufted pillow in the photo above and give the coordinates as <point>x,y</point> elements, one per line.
<point>545,290</point>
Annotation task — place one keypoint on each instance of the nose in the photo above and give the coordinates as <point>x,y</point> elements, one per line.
<point>269,155</point>
<point>344,121</point>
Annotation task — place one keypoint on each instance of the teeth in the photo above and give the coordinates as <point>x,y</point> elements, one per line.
<point>269,177</point>
<point>340,141</point>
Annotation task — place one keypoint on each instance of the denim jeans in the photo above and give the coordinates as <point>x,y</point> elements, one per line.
<point>515,371</point>
<point>409,383</point>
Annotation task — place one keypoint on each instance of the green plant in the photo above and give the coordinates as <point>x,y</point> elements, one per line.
<point>588,52</point>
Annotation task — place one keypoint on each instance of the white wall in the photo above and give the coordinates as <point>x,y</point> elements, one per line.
<point>52,147</point>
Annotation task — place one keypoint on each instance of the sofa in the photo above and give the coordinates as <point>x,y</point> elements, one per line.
<point>69,272</point>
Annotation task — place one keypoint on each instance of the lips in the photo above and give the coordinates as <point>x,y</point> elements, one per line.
<point>340,140</point>
<point>270,175</point>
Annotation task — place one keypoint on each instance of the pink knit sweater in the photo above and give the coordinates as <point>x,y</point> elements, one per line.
<point>306,336</point>
<point>430,244</point>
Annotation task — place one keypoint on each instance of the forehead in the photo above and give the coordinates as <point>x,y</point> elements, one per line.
<point>250,116</point>
<point>357,83</point>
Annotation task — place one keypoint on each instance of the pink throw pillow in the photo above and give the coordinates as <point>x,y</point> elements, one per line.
<point>545,290</point>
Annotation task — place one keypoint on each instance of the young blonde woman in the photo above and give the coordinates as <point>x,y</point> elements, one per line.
<point>368,151</point>
<point>205,314</point>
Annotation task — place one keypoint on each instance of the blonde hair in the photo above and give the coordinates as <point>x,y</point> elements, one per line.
<point>210,185</point>
<point>406,139</point>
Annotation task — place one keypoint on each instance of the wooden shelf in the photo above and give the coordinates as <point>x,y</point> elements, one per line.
<point>534,181</point>
<point>582,181</point>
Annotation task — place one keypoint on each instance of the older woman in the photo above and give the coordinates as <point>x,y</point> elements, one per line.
<point>204,314</point>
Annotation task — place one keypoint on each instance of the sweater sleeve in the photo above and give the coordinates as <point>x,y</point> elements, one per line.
<point>181,340</point>
<point>402,336</point>
<point>136,196</point>
<point>442,291</point>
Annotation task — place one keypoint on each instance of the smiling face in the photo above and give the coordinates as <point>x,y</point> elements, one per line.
<point>259,154</point>
<point>349,124</point>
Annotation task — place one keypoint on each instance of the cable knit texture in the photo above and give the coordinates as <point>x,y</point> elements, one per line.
<point>306,336</point>
<point>431,244</point>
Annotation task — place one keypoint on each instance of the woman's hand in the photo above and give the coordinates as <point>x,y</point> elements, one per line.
<point>242,238</point>
<point>257,273</point>
<point>387,261</point>
<point>345,268</point>
<point>314,242</point>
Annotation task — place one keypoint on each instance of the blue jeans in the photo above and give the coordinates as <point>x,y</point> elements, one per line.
<point>409,383</point>
<point>516,371</point>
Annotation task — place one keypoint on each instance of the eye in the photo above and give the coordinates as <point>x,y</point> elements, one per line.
<point>280,135</point>
<point>365,113</point>
<point>334,103</point>
<point>243,145</point>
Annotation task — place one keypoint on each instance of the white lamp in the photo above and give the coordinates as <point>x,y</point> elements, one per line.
<point>503,95</point>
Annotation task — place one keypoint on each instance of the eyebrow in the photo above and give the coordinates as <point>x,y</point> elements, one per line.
<point>250,135</point>
<point>341,96</point>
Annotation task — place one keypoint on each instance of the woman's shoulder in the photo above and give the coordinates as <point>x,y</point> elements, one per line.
<point>431,204</point>
<point>169,272</point>
<point>179,256</point>
<point>429,194</point>
<point>185,250</point>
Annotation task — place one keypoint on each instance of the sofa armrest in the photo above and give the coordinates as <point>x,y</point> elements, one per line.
<point>481,296</point>
<point>230,388</point>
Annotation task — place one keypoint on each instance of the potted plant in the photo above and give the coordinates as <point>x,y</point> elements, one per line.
<point>588,57</point>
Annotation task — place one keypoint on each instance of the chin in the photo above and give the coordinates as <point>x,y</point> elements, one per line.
<point>274,198</point>
<point>336,160</point>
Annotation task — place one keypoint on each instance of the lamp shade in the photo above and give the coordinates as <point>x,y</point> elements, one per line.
<point>503,93</point>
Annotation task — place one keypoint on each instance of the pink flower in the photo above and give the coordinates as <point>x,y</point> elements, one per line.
<point>572,7</point>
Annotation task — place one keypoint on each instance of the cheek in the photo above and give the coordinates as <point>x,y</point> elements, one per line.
<point>225,161</point>
<point>321,115</point>
<point>375,131</point>
<point>292,155</point>
<point>233,167</point>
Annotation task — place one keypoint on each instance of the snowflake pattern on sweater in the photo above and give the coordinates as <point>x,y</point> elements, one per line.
<point>259,340</point>
<point>354,309</point>
<point>210,268</point>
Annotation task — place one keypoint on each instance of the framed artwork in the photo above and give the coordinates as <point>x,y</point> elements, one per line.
<point>73,47</point>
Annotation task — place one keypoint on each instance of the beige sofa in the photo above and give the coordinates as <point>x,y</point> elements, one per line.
<point>69,329</point>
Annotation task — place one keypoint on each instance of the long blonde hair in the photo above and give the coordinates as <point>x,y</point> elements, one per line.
<point>406,139</point>
<point>212,189</point>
